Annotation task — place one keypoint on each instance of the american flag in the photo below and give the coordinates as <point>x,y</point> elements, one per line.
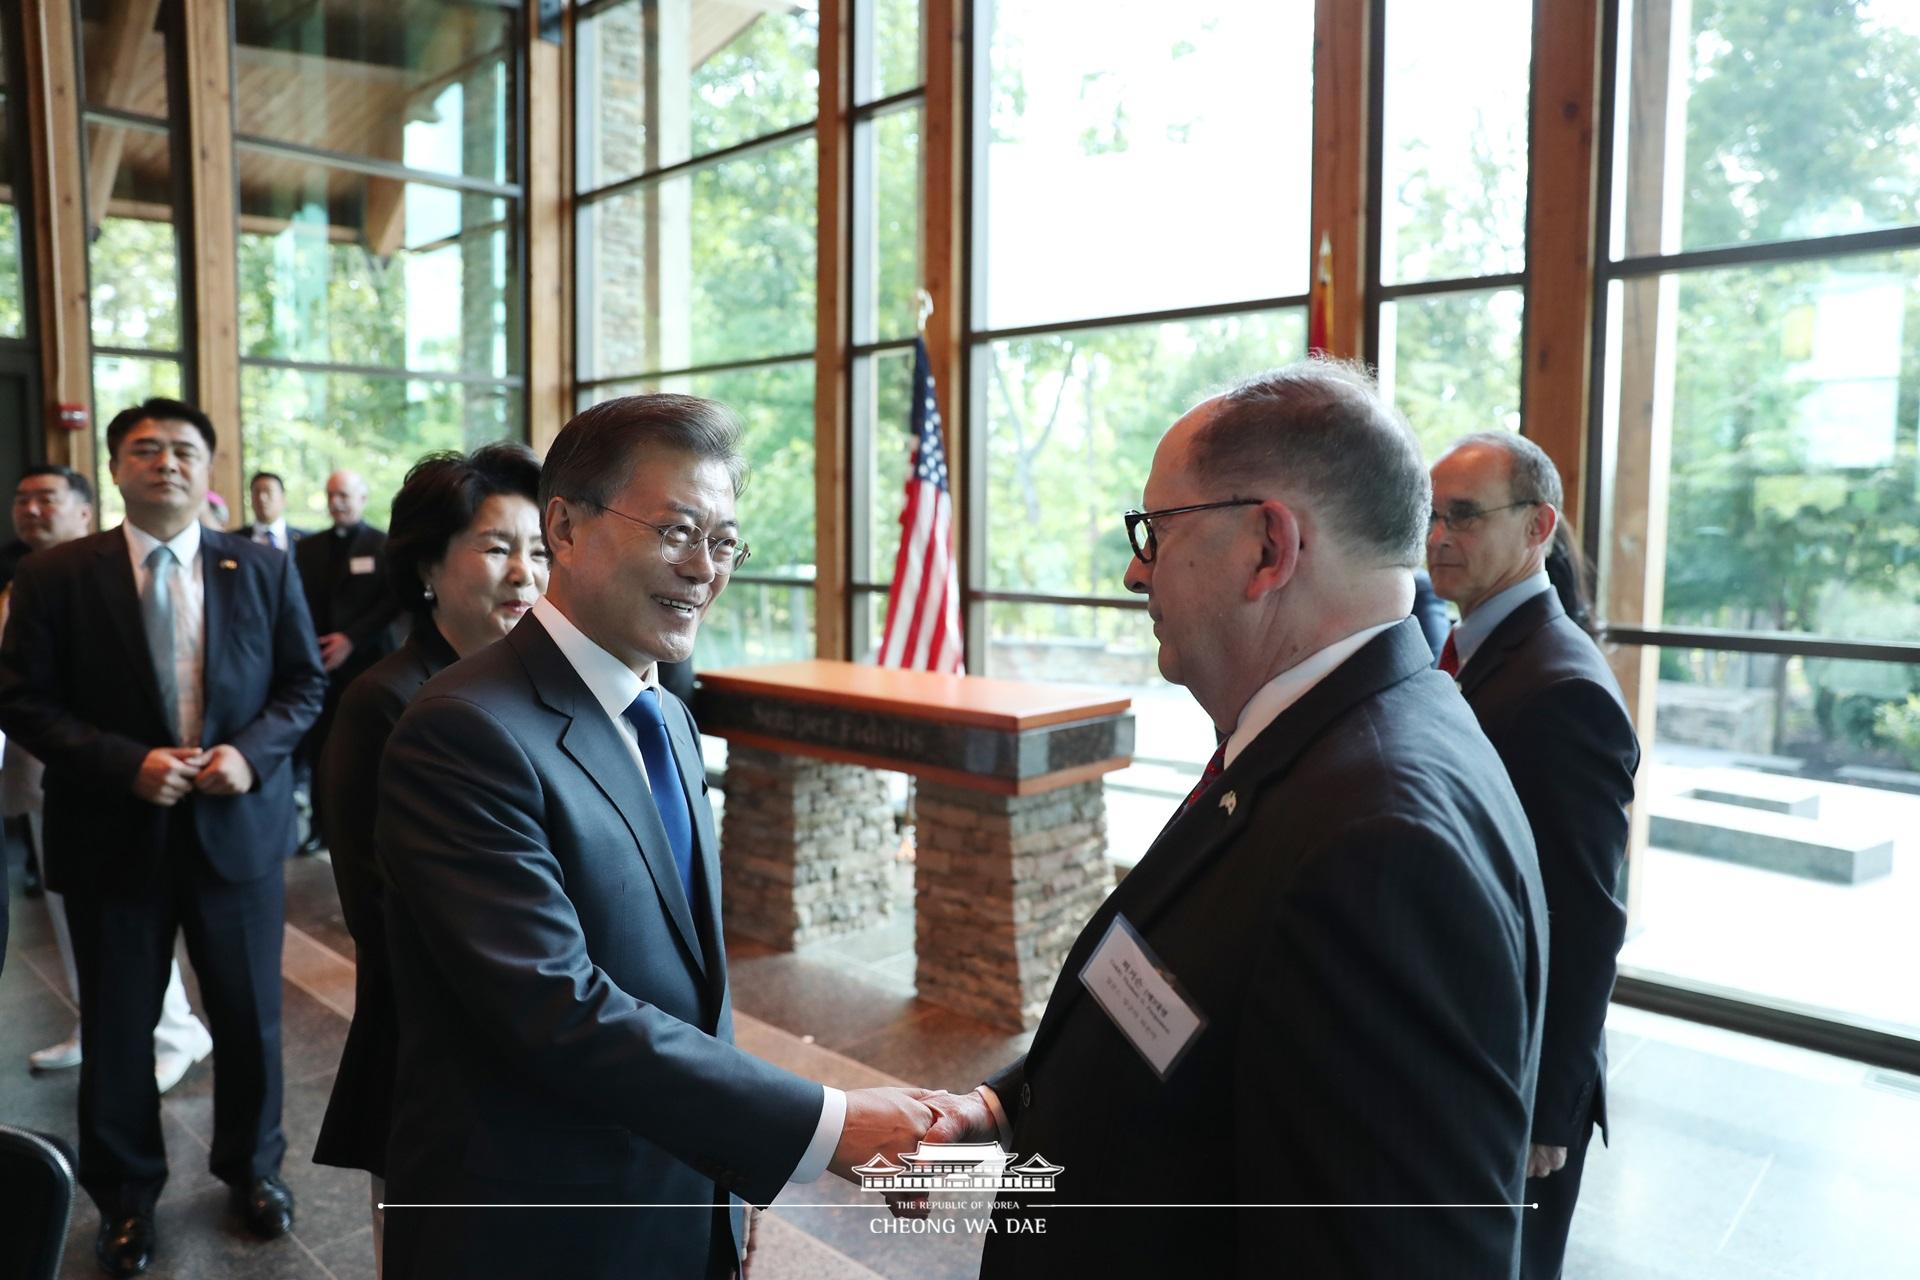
<point>923,605</point>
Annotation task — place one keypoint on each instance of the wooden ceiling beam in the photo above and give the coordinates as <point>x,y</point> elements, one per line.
<point>110,83</point>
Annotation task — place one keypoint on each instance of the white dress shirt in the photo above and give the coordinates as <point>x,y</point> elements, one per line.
<point>189,600</point>
<point>1291,685</point>
<point>274,535</point>
<point>1474,629</point>
<point>614,685</point>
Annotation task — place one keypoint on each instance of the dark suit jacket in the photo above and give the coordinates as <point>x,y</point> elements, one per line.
<point>354,1132</point>
<point>565,1025</point>
<point>1363,929</point>
<point>77,688</point>
<point>361,605</point>
<point>1553,711</point>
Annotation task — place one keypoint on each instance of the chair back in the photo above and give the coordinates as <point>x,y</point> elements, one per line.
<point>36,1204</point>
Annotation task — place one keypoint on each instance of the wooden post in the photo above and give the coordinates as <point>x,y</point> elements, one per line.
<point>1340,40</point>
<point>943,211</point>
<point>59,231</point>
<point>214,226</point>
<point>831,357</point>
<point>1633,557</point>
<point>549,214</point>
<point>1561,179</point>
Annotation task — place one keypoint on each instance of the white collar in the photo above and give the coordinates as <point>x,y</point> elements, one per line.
<point>1474,631</point>
<point>612,682</point>
<point>1291,685</point>
<point>185,544</point>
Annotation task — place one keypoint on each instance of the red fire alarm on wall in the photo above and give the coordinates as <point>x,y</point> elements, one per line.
<point>72,416</point>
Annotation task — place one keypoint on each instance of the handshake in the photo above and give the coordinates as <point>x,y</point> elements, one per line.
<point>892,1121</point>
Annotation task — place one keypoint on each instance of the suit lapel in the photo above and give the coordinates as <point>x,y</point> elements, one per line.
<point>1531,614</point>
<point>218,574</point>
<point>120,595</point>
<point>592,742</point>
<point>1197,838</point>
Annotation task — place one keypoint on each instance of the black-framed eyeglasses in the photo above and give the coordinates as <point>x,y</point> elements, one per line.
<point>1467,519</point>
<point>1140,523</point>
<point>677,542</point>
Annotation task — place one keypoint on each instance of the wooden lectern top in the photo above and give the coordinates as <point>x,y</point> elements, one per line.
<point>1010,706</point>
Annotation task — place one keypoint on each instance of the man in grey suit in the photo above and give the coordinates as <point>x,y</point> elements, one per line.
<point>559,973</point>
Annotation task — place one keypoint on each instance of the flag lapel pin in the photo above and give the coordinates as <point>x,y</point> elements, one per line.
<point>1228,802</point>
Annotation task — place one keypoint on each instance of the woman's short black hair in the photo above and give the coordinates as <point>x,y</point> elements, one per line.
<point>437,502</point>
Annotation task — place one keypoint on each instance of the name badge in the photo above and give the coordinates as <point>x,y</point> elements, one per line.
<point>1145,1001</point>
<point>360,564</point>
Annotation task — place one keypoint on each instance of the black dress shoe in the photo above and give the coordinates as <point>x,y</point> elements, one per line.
<point>125,1245</point>
<point>266,1205</point>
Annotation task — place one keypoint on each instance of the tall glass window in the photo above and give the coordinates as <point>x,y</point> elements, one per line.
<point>1761,498</point>
<point>134,212</point>
<point>13,302</point>
<point>1450,253</point>
<point>889,94</point>
<point>381,285</point>
<point>696,252</point>
<point>1140,242</point>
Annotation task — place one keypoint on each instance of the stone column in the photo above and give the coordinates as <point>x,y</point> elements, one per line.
<point>1003,885</point>
<point>806,848</point>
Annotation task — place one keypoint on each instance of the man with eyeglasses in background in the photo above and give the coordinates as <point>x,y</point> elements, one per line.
<point>1340,931</point>
<point>1547,701</point>
<point>559,970</point>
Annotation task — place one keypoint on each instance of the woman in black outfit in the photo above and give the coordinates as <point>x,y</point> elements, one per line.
<point>464,554</point>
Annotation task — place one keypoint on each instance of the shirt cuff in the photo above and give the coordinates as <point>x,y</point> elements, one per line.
<point>826,1137</point>
<point>999,1117</point>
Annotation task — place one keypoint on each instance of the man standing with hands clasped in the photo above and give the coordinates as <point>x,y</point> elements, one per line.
<point>163,672</point>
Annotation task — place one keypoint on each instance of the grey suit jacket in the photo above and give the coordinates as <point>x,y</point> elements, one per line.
<point>565,1026</point>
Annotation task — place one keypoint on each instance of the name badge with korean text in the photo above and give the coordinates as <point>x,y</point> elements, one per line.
<point>359,565</point>
<point>1144,1000</point>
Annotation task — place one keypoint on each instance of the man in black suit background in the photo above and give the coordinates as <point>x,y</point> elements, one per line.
<point>1345,911</point>
<point>344,572</point>
<point>1552,709</point>
<point>164,672</point>
<point>267,492</point>
<point>553,915</point>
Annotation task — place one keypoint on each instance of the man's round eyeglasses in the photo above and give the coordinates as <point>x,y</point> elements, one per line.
<point>1140,523</point>
<point>1467,519</point>
<point>677,542</point>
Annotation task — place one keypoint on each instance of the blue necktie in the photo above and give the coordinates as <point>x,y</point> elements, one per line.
<point>156,612</point>
<point>663,774</point>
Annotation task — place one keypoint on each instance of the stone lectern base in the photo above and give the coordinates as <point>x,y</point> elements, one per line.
<point>1012,833</point>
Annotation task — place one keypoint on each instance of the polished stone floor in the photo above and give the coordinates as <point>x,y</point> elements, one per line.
<point>1731,1158</point>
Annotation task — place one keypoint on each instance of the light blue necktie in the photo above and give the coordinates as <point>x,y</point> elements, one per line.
<point>156,610</point>
<point>663,775</point>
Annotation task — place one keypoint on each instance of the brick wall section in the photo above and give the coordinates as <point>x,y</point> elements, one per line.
<point>1003,885</point>
<point>806,848</point>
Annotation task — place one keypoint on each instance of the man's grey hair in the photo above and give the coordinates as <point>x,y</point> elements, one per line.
<point>1321,427</point>
<point>1534,478</point>
<point>594,455</point>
